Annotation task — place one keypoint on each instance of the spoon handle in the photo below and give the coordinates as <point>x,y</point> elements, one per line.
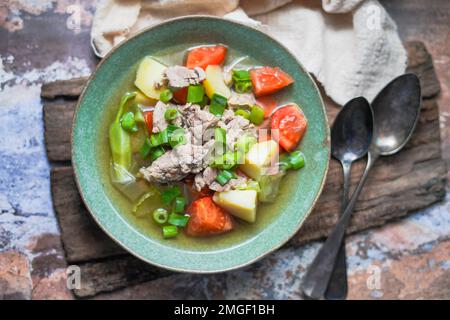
<point>337,288</point>
<point>316,280</point>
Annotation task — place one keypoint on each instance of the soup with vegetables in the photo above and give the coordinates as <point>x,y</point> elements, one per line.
<point>199,145</point>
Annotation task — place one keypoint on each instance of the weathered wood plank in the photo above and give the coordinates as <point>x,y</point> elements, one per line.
<point>406,182</point>
<point>63,88</point>
<point>58,123</point>
<point>420,63</point>
<point>115,273</point>
<point>82,239</point>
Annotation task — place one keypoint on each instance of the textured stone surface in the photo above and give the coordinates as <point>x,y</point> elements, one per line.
<point>15,280</point>
<point>411,257</point>
<point>48,268</point>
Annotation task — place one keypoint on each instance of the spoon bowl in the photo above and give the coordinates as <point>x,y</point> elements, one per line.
<point>395,114</point>
<point>351,133</point>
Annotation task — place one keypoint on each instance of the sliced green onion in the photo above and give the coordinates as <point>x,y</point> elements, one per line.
<point>256,115</point>
<point>218,104</point>
<point>241,80</point>
<point>176,135</point>
<point>178,220</point>
<point>238,157</point>
<point>240,75</point>
<point>243,113</point>
<point>171,128</point>
<point>179,204</point>
<point>160,215</point>
<point>297,160</point>
<point>226,161</point>
<point>168,195</point>
<point>205,101</point>
<point>146,148</point>
<point>170,114</point>
<point>284,161</point>
<point>170,232</point>
<point>177,138</point>
<point>224,176</point>
<point>242,86</point>
<point>166,96</point>
<point>160,138</point>
<point>195,94</point>
<point>128,123</point>
<point>244,143</point>
<point>220,135</point>
<point>157,152</point>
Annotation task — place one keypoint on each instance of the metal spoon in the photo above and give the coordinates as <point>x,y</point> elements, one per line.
<point>350,140</point>
<point>396,112</point>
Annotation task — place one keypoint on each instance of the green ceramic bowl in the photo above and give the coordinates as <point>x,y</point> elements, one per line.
<point>301,188</point>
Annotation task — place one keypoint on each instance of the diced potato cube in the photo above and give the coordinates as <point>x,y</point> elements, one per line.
<point>142,99</point>
<point>149,73</point>
<point>240,203</point>
<point>259,158</point>
<point>215,83</point>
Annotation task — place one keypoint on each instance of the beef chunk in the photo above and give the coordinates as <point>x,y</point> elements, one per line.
<point>238,100</point>
<point>159,121</point>
<point>176,164</point>
<point>180,77</point>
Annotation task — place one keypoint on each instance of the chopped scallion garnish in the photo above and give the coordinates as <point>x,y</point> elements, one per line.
<point>168,195</point>
<point>256,115</point>
<point>243,113</point>
<point>170,231</point>
<point>128,122</point>
<point>242,86</point>
<point>224,176</point>
<point>179,204</point>
<point>157,152</point>
<point>145,149</point>
<point>170,114</point>
<point>244,143</point>
<point>166,96</point>
<point>220,135</point>
<point>178,220</point>
<point>225,161</point>
<point>177,138</point>
<point>195,94</point>
<point>218,104</point>
<point>241,75</point>
<point>294,160</point>
<point>160,138</point>
<point>160,215</point>
<point>241,80</point>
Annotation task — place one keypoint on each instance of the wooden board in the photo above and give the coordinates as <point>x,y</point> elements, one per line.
<point>398,185</point>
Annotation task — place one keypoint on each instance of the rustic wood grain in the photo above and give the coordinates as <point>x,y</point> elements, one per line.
<point>115,273</point>
<point>408,181</point>
<point>420,63</point>
<point>58,123</point>
<point>82,238</point>
<point>63,88</point>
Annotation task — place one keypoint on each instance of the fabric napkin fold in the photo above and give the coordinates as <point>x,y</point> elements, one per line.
<point>351,46</point>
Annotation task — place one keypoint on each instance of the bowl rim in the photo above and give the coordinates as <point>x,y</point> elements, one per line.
<point>327,145</point>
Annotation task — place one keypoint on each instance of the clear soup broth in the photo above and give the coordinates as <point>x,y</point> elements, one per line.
<point>145,224</point>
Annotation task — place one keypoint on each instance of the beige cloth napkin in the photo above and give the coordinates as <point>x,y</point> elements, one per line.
<point>351,46</point>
